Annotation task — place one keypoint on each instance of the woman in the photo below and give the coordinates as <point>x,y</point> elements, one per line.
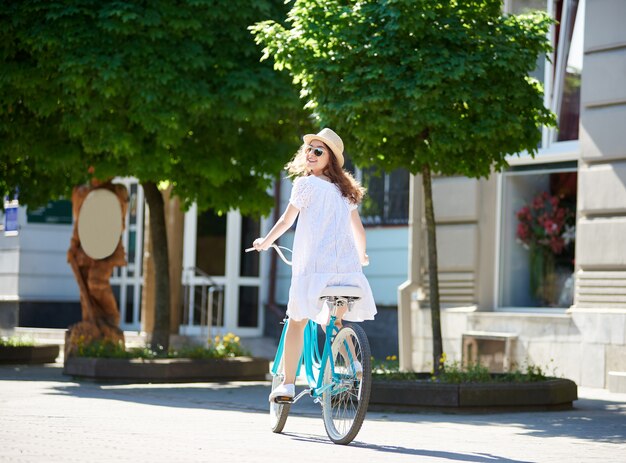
<point>329,243</point>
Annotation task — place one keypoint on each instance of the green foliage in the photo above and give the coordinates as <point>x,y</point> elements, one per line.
<point>16,341</point>
<point>161,90</point>
<point>410,83</point>
<point>455,373</point>
<point>103,349</point>
<point>388,366</point>
<point>220,347</point>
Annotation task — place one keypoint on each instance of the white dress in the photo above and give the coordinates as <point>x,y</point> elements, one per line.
<point>324,252</point>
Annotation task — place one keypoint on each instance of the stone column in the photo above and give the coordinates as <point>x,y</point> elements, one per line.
<point>414,281</point>
<point>601,224</point>
<point>599,309</point>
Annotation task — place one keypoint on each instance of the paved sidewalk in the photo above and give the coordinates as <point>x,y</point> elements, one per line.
<point>47,417</point>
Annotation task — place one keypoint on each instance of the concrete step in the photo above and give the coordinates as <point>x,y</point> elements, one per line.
<point>617,381</point>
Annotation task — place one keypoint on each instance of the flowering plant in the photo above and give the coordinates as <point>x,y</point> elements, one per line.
<point>545,223</point>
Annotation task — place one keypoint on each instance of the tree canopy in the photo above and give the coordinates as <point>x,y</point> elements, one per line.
<point>434,86</point>
<point>161,91</point>
<point>417,82</point>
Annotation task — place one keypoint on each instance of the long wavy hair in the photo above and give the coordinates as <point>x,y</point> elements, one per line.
<point>349,187</point>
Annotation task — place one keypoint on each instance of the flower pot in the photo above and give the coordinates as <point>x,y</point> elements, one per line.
<point>551,394</point>
<point>167,370</point>
<point>543,279</point>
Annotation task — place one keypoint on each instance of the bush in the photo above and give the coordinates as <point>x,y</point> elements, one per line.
<point>16,341</point>
<point>455,373</point>
<point>220,347</point>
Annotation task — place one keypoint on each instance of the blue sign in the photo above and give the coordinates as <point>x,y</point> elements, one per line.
<point>10,218</point>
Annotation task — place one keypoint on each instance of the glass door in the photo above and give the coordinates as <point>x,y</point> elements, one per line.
<point>221,282</point>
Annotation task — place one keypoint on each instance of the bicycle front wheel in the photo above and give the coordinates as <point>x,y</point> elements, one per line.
<point>278,412</point>
<point>344,404</point>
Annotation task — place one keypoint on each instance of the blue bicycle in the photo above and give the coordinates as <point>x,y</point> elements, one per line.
<point>339,378</point>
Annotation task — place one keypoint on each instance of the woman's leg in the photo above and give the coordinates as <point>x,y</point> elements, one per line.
<point>293,348</point>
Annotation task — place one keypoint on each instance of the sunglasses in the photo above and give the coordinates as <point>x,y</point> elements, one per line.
<point>317,151</point>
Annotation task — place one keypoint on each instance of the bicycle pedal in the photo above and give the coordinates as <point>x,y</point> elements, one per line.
<point>283,400</point>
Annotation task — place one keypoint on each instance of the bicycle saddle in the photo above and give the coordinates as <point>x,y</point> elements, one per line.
<point>352,292</point>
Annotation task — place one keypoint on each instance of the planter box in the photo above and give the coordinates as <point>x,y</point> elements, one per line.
<point>553,393</point>
<point>168,370</point>
<point>47,353</point>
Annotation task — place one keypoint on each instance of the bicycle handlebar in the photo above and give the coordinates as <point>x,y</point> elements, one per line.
<point>278,250</point>
<point>284,259</point>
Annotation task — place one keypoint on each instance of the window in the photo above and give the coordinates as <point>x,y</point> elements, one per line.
<point>560,72</point>
<point>211,243</point>
<point>538,236</point>
<point>249,261</point>
<point>387,199</point>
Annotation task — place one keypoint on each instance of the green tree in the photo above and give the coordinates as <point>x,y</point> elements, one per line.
<point>438,87</point>
<point>164,91</point>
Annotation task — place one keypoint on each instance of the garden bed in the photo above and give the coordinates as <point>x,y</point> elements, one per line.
<point>548,394</point>
<point>46,353</point>
<point>168,369</point>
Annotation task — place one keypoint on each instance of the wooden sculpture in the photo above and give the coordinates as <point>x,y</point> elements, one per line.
<point>96,247</point>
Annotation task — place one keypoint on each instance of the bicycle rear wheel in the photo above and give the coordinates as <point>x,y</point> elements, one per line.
<point>344,405</point>
<point>278,412</point>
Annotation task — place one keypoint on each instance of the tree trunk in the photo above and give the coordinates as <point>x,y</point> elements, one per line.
<point>433,270</point>
<point>161,335</point>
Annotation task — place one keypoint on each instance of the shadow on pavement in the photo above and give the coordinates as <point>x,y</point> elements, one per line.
<point>592,419</point>
<point>454,456</point>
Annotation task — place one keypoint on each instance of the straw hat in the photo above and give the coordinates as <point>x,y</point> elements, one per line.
<point>332,140</point>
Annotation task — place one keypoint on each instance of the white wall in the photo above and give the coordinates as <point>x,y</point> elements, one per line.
<point>387,249</point>
<point>579,345</point>
<point>33,264</point>
<point>44,271</point>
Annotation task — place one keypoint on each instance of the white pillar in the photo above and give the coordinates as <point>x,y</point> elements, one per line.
<point>231,286</point>
<point>407,290</point>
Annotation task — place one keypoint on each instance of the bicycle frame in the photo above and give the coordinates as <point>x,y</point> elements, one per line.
<point>314,362</point>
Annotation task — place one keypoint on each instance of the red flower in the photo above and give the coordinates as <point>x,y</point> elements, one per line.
<point>542,223</point>
<point>523,232</point>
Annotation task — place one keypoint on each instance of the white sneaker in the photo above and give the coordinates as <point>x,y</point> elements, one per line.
<point>283,393</point>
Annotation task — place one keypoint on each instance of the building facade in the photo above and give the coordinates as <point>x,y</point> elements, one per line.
<point>570,321</point>
<point>504,302</point>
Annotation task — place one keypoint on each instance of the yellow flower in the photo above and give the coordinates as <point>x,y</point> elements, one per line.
<point>393,357</point>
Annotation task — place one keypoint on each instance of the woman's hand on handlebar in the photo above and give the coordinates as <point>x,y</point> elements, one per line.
<point>261,244</point>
